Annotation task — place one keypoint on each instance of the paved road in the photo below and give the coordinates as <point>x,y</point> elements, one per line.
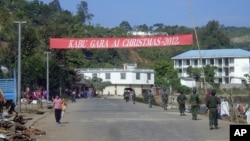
<point>115,120</point>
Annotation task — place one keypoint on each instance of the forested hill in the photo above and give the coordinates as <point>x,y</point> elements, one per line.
<point>50,20</point>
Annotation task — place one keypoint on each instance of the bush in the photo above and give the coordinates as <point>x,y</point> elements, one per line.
<point>183,89</point>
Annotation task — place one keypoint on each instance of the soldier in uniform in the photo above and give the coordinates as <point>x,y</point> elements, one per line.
<point>181,99</point>
<point>150,98</point>
<point>194,102</point>
<point>164,98</point>
<point>212,104</point>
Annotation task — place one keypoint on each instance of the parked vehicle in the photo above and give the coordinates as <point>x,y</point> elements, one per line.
<point>127,92</point>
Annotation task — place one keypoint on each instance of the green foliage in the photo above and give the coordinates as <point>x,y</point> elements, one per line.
<point>75,59</point>
<point>33,71</point>
<point>211,37</point>
<point>55,6</point>
<point>209,73</point>
<point>125,25</point>
<point>165,74</point>
<point>194,73</point>
<point>98,84</point>
<point>82,12</point>
<point>184,89</point>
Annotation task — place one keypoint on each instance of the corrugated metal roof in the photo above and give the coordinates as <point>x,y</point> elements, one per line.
<point>213,53</point>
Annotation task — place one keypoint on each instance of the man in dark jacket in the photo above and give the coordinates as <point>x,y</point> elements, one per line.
<point>194,102</point>
<point>212,104</point>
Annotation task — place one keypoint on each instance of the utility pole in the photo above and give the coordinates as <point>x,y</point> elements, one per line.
<point>19,62</point>
<point>47,53</point>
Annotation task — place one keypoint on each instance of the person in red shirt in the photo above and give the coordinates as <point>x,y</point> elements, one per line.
<point>208,95</point>
<point>57,102</point>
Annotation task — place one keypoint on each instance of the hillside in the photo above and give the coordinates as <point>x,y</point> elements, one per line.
<point>241,39</point>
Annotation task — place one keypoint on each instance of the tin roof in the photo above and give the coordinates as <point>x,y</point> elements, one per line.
<point>213,53</point>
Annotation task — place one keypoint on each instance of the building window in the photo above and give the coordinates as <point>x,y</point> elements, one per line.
<point>180,62</point>
<point>220,80</point>
<point>107,75</point>
<point>226,61</point>
<point>196,62</point>
<point>220,62</point>
<point>188,62</point>
<point>203,61</point>
<point>212,61</point>
<point>175,63</point>
<point>123,75</point>
<point>94,75</point>
<point>148,76</point>
<point>180,70</point>
<point>137,76</point>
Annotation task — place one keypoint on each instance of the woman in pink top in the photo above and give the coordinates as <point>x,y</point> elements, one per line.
<point>57,108</point>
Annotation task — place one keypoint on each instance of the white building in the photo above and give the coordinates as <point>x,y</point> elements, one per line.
<point>149,33</point>
<point>231,64</point>
<point>127,77</point>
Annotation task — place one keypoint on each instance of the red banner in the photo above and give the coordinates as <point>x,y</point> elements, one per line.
<point>128,42</point>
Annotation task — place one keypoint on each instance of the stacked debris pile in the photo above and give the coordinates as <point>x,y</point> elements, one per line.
<point>14,129</point>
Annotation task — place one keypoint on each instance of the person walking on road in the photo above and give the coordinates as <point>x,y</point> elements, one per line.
<point>164,99</point>
<point>150,98</point>
<point>194,102</point>
<point>181,99</point>
<point>57,104</point>
<point>212,104</point>
<point>73,96</point>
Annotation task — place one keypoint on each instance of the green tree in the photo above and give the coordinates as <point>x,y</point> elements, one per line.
<point>142,27</point>
<point>125,25</point>
<point>75,59</point>
<point>98,84</point>
<point>83,13</point>
<point>159,27</point>
<point>194,73</point>
<point>33,71</point>
<point>165,74</point>
<point>55,6</point>
<point>212,37</point>
<point>209,73</point>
